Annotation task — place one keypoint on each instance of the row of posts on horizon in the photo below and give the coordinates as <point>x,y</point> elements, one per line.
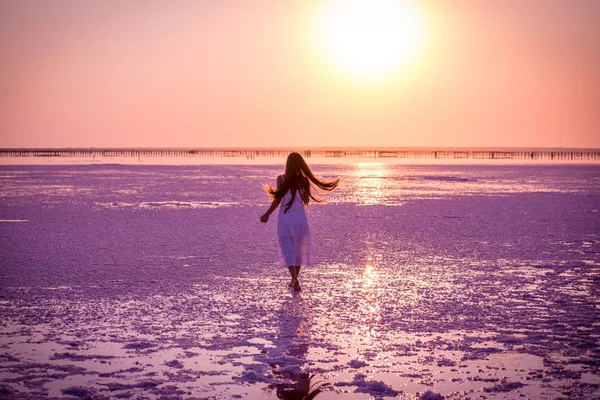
<point>310,153</point>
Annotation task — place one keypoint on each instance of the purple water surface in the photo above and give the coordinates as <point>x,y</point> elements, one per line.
<point>474,280</point>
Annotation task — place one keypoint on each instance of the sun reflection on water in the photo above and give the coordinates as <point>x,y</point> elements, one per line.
<point>371,292</point>
<point>369,275</point>
<point>370,186</point>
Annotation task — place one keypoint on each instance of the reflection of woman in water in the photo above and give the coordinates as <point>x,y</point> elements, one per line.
<point>293,233</point>
<point>303,389</point>
<point>295,319</point>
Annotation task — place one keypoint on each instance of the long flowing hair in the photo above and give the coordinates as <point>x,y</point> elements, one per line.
<point>299,178</point>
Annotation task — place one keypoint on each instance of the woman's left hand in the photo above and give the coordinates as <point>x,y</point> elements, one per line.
<point>264,218</point>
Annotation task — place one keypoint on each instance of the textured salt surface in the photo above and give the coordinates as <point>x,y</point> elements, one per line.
<point>158,282</point>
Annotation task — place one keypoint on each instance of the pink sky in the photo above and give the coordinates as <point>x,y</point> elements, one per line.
<point>190,73</point>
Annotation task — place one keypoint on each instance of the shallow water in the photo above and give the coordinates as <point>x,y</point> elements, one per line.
<point>471,281</point>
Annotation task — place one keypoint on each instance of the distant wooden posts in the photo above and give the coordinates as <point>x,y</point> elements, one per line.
<point>251,154</point>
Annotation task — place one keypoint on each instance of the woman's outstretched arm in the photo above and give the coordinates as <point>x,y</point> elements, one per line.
<point>274,203</point>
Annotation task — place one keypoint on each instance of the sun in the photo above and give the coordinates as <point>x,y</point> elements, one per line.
<point>370,39</point>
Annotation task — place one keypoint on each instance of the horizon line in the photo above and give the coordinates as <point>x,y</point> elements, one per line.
<point>320,148</point>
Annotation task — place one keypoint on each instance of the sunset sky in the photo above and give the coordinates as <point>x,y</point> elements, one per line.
<point>194,73</point>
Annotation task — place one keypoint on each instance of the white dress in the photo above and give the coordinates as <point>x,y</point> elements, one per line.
<point>293,233</point>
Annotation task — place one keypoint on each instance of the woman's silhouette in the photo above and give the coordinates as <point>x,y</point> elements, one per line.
<point>293,233</point>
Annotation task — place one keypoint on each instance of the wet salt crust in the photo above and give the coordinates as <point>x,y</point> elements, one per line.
<point>456,282</point>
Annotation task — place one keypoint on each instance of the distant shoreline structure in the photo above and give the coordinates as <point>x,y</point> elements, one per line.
<point>476,153</point>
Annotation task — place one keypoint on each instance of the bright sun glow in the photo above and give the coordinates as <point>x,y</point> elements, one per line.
<point>370,39</point>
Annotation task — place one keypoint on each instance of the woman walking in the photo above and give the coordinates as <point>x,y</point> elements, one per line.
<point>293,192</point>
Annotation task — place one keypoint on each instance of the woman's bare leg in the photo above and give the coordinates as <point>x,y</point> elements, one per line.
<point>294,275</point>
